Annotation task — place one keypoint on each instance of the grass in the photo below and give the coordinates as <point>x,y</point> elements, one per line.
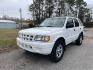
<point>8,38</point>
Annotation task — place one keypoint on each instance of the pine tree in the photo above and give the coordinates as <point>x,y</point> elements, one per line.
<point>42,9</point>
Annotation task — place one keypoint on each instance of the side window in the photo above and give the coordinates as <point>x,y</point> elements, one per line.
<point>76,23</point>
<point>70,23</point>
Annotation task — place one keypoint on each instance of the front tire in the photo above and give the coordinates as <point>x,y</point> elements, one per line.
<point>57,52</point>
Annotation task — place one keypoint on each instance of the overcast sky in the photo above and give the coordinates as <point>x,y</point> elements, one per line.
<point>11,7</point>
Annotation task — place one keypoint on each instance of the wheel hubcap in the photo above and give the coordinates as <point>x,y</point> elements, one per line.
<point>59,51</point>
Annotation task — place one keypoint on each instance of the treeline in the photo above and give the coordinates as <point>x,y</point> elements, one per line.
<point>42,9</point>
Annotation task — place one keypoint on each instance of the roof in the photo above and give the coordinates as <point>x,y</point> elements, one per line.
<point>63,17</point>
<point>9,21</point>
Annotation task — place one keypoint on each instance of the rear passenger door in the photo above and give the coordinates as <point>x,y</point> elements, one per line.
<point>77,28</point>
<point>70,31</point>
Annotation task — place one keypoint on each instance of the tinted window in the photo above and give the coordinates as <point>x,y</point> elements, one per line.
<point>70,23</point>
<point>76,23</point>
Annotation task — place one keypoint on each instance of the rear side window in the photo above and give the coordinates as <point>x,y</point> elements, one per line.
<point>76,23</point>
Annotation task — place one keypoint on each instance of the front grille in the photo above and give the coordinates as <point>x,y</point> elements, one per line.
<point>26,37</point>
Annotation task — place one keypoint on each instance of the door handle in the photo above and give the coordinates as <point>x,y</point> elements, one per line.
<point>74,30</point>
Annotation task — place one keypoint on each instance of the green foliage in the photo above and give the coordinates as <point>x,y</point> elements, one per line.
<point>42,9</point>
<point>37,8</point>
<point>71,2</point>
<point>8,39</point>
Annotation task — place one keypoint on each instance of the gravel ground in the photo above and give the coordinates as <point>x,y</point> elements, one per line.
<point>75,58</point>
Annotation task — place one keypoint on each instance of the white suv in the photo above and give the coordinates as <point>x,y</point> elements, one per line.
<point>52,36</point>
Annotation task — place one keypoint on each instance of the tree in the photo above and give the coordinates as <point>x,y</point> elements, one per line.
<point>80,5</point>
<point>36,9</point>
<point>42,9</point>
<point>71,2</point>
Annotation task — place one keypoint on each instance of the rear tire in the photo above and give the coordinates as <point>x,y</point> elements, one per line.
<point>79,40</point>
<point>57,52</point>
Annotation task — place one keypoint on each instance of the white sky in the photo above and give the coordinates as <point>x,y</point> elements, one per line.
<point>89,2</point>
<point>11,7</point>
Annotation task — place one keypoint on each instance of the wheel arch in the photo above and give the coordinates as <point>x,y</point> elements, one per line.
<point>61,39</point>
<point>52,56</point>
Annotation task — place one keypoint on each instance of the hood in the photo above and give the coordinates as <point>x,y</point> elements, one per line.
<point>41,30</point>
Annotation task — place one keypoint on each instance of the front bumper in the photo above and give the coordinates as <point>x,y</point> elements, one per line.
<point>35,47</point>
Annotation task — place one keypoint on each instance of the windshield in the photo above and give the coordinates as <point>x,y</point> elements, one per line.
<point>53,22</point>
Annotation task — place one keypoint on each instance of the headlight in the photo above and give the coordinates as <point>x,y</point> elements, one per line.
<point>42,38</point>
